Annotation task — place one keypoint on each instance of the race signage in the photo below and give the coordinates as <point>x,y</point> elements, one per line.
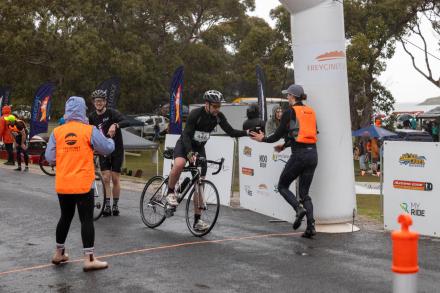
<point>260,169</point>
<point>411,185</point>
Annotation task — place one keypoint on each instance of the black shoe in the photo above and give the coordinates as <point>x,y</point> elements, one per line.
<point>300,214</point>
<point>26,169</point>
<point>107,211</point>
<point>310,232</point>
<point>18,169</point>
<point>115,211</point>
<point>8,163</point>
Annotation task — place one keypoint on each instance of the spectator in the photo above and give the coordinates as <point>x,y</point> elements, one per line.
<point>6,136</point>
<point>156,131</point>
<point>253,121</point>
<point>435,131</point>
<point>375,156</point>
<point>18,129</point>
<point>362,147</point>
<point>274,121</point>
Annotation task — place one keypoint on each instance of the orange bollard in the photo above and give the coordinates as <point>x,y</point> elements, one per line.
<point>405,261</point>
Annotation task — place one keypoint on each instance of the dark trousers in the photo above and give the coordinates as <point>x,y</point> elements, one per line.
<point>10,151</point>
<point>85,203</point>
<point>302,163</point>
<point>20,151</point>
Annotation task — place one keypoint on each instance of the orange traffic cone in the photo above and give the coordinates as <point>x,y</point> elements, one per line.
<point>405,263</point>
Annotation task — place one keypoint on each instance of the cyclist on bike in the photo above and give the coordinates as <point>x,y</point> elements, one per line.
<point>18,129</point>
<point>71,146</point>
<point>199,124</point>
<point>299,123</point>
<point>109,122</point>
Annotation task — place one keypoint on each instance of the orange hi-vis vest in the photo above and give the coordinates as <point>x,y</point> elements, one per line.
<point>304,127</point>
<point>74,158</point>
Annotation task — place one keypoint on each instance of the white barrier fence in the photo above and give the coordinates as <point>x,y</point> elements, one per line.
<point>412,185</point>
<point>260,169</point>
<point>217,147</point>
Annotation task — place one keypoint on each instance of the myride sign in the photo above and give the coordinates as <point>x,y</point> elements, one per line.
<point>412,185</point>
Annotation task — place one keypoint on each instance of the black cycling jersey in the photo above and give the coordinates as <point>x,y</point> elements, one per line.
<point>105,120</point>
<point>200,124</point>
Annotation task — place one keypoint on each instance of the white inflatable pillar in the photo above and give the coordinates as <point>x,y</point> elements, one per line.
<point>321,68</point>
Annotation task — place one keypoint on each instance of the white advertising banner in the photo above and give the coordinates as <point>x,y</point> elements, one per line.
<point>217,147</point>
<point>260,169</point>
<point>321,68</point>
<point>412,185</point>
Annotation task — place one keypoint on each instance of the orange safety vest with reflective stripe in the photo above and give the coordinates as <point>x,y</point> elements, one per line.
<point>74,158</point>
<point>304,127</point>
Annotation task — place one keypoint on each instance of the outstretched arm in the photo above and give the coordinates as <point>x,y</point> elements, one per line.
<point>224,124</point>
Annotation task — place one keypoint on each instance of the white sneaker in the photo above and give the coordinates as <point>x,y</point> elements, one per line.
<point>201,226</point>
<point>172,200</point>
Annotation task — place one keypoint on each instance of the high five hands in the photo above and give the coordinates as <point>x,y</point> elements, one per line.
<point>258,136</point>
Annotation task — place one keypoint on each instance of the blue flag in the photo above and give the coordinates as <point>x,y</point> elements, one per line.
<point>5,96</point>
<point>112,87</point>
<point>176,94</point>
<point>41,107</point>
<point>260,91</point>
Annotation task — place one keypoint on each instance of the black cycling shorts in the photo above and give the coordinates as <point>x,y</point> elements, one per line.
<point>112,162</point>
<point>179,152</point>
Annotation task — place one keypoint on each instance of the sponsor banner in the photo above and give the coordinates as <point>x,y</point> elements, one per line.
<point>410,185</point>
<point>113,89</point>
<point>222,180</point>
<point>324,62</point>
<point>260,90</point>
<point>40,114</point>
<point>176,95</point>
<point>412,160</point>
<point>259,192</point>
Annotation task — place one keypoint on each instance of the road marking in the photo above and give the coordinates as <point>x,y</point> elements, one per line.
<point>170,246</point>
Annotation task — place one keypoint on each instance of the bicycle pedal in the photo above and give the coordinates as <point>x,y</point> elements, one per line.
<point>169,211</point>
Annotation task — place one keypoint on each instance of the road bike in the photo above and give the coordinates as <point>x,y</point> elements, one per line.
<point>202,195</point>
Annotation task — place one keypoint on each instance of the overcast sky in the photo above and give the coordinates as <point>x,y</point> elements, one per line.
<point>404,82</point>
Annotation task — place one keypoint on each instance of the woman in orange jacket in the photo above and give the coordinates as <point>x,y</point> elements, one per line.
<point>6,136</point>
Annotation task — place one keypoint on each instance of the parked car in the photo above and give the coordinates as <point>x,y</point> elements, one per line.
<point>149,122</point>
<point>410,135</point>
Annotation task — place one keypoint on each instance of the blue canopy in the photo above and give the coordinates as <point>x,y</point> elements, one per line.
<point>373,131</point>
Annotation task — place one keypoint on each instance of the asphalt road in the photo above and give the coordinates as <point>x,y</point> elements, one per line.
<point>244,252</point>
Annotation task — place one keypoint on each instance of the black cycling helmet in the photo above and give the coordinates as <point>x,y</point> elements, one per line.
<point>213,96</point>
<point>101,94</point>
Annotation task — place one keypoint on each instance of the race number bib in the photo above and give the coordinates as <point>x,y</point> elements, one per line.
<point>201,136</point>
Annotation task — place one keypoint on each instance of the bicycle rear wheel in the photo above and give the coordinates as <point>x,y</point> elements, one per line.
<point>100,196</point>
<point>152,203</point>
<point>209,204</point>
<point>45,166</point>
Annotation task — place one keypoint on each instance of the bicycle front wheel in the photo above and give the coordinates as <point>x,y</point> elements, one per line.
<point>152,203</point>
<point>100,196</point>
<point>45,166</point>
<point>208,204</point>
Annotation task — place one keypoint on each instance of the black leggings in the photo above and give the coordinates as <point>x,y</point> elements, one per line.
<point>10,150</point>
<point>302,163</point>
<point>25,155</point>
<point>85,204</point>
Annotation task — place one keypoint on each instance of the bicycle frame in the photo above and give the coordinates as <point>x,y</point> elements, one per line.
<point>195,182</point>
